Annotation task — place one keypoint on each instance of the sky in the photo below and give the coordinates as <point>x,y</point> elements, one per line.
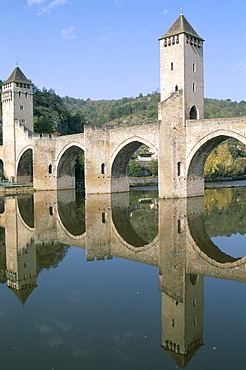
<point>109,49</point>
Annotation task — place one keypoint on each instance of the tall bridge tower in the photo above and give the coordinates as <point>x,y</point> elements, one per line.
<point>17,110</point>
<point>182,98</point>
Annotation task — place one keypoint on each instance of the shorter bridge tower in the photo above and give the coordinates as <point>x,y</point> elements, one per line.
<point>182,98</point>
<point>17,110</point>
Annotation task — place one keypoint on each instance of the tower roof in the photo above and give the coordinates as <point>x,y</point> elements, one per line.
<point>17,76</point>
<point>181,25</point>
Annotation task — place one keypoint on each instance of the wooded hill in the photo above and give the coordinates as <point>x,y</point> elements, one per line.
<point>67,115</point>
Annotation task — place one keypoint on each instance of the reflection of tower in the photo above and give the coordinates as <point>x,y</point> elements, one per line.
<point>182,321</point>
<point>182,293</point>
<point>98,227</point>
<point>20,254</point>
<point>17,107</point>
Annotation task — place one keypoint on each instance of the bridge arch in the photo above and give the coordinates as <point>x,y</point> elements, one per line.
<point>121,157</point>
<point>66,171</point>
<point>200,152</point>
<point>25,166</point>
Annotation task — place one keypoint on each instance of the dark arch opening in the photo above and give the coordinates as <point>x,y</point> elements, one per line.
<point>193,113</point>
<point>120,166</point>
<point>1,169</point>
<point>196,168</point>
<point>70,171</point>
<point>25,168</point>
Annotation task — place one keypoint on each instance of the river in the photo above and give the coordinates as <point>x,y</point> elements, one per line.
<point>123,281</point>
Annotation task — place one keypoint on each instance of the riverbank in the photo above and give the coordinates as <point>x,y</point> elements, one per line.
<point>226,182</point>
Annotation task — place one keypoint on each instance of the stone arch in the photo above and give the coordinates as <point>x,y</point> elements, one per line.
<point>193,113</point>
<point>25,167</point>
<point>200,152</point>
<point>66,166</point>
<point>120,160</point>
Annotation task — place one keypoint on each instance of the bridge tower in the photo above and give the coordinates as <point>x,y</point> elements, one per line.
<point>17,109</point>
<point>182,98</point>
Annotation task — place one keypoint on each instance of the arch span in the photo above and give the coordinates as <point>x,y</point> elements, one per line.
<point>68,168</point>
<point>120,161</point>
<point>25,167</point>
<point>199,154</point>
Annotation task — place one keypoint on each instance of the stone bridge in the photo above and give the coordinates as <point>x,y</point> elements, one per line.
<point>181,138</point>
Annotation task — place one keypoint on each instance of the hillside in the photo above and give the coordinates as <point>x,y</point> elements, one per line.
<point>143,109</point>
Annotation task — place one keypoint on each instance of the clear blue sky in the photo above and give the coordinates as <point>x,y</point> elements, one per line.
<point>106,49</point>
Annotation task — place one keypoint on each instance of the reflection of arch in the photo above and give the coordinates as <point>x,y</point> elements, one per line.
<point>25,167</point>
<point>2,207</point>
<point>26,209</point>
<point>203,242</point>
<point>68,214</point>
<point>193,113</point>
<point>66,167</point>
<point>123,226</point>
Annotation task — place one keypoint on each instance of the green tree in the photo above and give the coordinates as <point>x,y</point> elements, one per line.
<point>153,167</point>
<point>135,168</point>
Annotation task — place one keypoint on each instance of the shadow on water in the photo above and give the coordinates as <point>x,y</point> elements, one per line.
<point>26,209</point>
<point>134,220</point>
<point>71,209</point>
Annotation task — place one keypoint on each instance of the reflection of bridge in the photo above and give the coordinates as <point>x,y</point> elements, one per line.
<point>181,137</point>
<point>182,251</point>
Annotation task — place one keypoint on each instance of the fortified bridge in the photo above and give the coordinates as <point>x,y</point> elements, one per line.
<point>181,138</point>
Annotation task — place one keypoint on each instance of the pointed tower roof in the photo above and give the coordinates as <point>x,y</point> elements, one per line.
<point>181,25</point>
<point>23,294</point>
<point>17,76</point>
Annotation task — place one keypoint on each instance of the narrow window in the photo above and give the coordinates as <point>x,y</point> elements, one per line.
<point>103,218</point>
<point>177,39</point>
<point>51,211</point>
<point>194,67</point>
<point>25,94</point>
<point>171,66</point>
<point>19,94</point>
<point>194,321</point>
<point>179,227</point>
<point>50,168</point>
<point>194,86</point>
<point>25,264</point>
<point>103,168</point>
<point>176,88</point>
<point>179,168</point>
<point>173,323</point>
<point>194,302</point>
<point>21,107</point>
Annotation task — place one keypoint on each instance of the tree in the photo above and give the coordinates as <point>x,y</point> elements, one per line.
<point>135,168</point>
<point>153,167</point>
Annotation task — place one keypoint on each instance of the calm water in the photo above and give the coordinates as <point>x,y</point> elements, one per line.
<point>123,282</point>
